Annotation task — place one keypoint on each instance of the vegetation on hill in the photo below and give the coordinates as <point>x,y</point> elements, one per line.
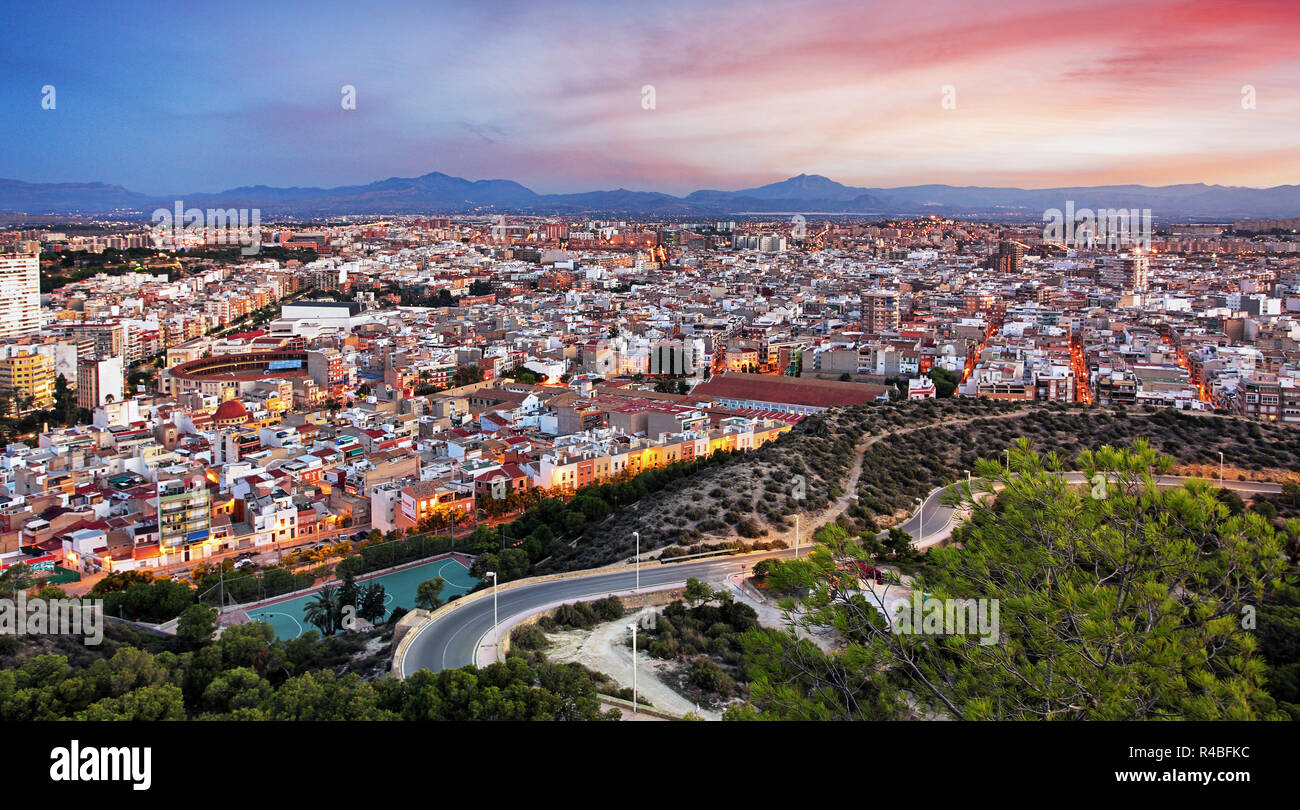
<point>703,633</point>
<point>911,448</point>
<point>1121,602</point>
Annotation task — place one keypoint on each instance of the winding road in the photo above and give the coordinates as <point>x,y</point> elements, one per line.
<point>454,638</point>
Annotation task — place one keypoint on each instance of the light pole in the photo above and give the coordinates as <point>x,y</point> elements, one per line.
<point>969,487</point>
<point>637,535</point>
<point>1220,469</point>
<point>632,627</point>
<point>496,639</point>
<point>796,534</point>
<point>920,514</point>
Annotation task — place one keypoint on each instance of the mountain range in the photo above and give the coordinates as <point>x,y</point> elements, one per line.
<point>809,194</point>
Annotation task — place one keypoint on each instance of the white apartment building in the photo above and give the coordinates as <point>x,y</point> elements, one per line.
<point>20,294</point>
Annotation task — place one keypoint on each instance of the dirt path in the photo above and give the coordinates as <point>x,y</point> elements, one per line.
<point>605,649</point>
<point>808,524</point>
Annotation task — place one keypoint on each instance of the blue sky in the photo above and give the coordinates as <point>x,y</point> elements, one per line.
<point>169,100</point>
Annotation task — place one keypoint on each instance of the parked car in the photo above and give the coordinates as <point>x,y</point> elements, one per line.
<point>244,563</point>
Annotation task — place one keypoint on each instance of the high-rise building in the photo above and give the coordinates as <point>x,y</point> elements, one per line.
<point>99,382</point>
<point>20,294</point>
<point>880,310</point>
<point>1009,256</point>
<point>1128,271</point>
<point>27,379</point>
<point>1136,268</point>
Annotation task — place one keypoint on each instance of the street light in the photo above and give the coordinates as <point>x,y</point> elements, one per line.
<point>632,627</point>
<point>921,513</point>
<point>496,638</point>
<point>1220,469</point>
<point>637,535</point>
<point>796,534</point>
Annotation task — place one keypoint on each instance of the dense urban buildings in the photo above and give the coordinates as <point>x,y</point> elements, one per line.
<point>422,367</point>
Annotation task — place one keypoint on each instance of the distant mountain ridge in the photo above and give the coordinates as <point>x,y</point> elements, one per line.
<point>811,194</point>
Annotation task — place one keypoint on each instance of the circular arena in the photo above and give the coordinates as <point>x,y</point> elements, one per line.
<point>211,375</point>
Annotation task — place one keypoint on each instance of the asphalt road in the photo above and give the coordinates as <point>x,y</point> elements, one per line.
<point>938,518</point>
<point>454,639</point>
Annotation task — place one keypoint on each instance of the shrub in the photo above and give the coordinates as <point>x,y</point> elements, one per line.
<point>528,637</point>
<point>709,677</point>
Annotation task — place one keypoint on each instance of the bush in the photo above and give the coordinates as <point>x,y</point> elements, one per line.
<point>528,637</point>
<point>584,615</point>
<point>709,677</point>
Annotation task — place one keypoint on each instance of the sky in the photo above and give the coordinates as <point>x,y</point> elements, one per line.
<point>557,95</point>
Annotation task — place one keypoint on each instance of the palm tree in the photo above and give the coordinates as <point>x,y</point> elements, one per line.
<point>324,611</point>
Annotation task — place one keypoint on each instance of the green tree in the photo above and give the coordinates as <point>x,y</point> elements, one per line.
<point>325,611</point>
<point>197,624</point>
<point>372,607</point>
<point>349,592</point>
<point>466,375</point>
<point>945,382</point>
<point>17,577</point>
<point>524,375</point>
<point>428,593</point>
<point>697,592</point>
<point>1126,606</point>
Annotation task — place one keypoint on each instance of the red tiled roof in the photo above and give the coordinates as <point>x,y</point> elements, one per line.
<point>787,390</point>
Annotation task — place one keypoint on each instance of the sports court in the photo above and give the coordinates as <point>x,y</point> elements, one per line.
<point>287,617</point>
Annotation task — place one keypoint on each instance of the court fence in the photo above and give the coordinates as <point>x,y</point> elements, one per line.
<point>252,587</point>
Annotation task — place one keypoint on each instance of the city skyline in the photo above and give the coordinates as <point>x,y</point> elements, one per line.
<point>556,99</point>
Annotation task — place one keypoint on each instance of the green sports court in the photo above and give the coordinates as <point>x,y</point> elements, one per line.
<point>286,617</point>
